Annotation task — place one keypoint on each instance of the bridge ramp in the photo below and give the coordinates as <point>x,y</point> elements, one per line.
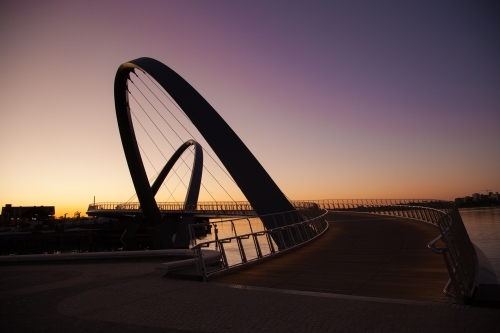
<point>362,255</point>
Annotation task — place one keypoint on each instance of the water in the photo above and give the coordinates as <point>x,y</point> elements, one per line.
<point>239,227</point>
<point>483,226</point>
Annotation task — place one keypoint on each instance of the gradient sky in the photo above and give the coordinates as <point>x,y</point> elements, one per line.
<point>336,99</point>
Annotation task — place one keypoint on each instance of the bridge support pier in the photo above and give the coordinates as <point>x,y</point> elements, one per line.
<point>161,236</point>
<point>182,237</point>
<point>173,232</point>
<point>128,237</point>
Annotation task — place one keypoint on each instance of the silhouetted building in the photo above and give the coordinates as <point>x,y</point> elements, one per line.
<point>479,200</point>
<point>39,213</point>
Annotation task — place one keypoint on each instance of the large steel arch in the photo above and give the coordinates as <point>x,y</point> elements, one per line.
<point>255,183</point>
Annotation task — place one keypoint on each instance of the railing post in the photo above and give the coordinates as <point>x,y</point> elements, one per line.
<point>297,228</point>
<point>306,230</point>
<point>216,232</point>
<point>270,242</point>
<point>192,235</point>
<point>233,228</point>
<point>200,263</point>
<point>242,250</point>
<point>290,235</point>
<point>250,225</point>
<point>225,263</point>
<point>317,224</point>
<point>257,245</point>
<point>282,240</point>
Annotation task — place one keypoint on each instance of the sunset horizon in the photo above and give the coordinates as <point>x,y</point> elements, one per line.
<point>384,100</point>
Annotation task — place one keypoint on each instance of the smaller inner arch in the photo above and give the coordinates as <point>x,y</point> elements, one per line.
<point>193,190</point>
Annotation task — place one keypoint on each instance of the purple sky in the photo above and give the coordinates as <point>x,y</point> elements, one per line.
<point>336,99</point>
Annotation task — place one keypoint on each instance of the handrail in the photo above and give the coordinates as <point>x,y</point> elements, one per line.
<point>459,255</point>
<point>432,246</point>
<point>174,206</point>
<point>260,245</point>
<point>210,206</point>
<point>301,214</point>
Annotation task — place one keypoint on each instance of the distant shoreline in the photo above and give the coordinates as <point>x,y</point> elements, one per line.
<point>479,208</point>
<point>487,203</point>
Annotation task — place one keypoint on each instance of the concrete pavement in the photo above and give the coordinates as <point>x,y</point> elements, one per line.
<point>130,297</point>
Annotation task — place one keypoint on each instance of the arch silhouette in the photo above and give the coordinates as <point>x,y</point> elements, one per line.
<point>255,183</point>
<point>194,184</point>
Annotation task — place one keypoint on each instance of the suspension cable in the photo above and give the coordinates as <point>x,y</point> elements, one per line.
<point>157,174</point>
<point>173,131</point>
<point>175,188</point>
<point>154,143</point>
<point>182,159</point>
<point>182,112</point>
<point>156,112</point>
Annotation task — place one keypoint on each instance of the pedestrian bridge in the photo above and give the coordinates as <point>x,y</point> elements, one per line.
<point>244,208</point>
<point>284,225</point>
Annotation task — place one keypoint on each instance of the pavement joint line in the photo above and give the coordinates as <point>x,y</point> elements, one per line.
<point>340,296</point>
<point>357,220</point>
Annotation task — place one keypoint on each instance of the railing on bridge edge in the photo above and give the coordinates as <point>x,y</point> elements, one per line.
<point>240,207</point>
<point>262,244</point>
<point>459,255</point>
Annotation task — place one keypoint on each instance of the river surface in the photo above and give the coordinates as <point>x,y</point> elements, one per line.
<point>483,226</point>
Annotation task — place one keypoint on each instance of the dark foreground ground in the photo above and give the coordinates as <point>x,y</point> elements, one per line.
<point>347,281</point>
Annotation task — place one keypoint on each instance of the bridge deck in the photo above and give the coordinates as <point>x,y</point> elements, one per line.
<point>363,255</point>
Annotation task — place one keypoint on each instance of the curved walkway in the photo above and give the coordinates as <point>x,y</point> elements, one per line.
<point>362,255</point>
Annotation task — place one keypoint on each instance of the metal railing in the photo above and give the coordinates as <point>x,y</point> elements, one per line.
<point>175,206</point>
<point>242,241</point>
<point>234,207</point>
<point>459,254</point>
<point>356,204</point>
